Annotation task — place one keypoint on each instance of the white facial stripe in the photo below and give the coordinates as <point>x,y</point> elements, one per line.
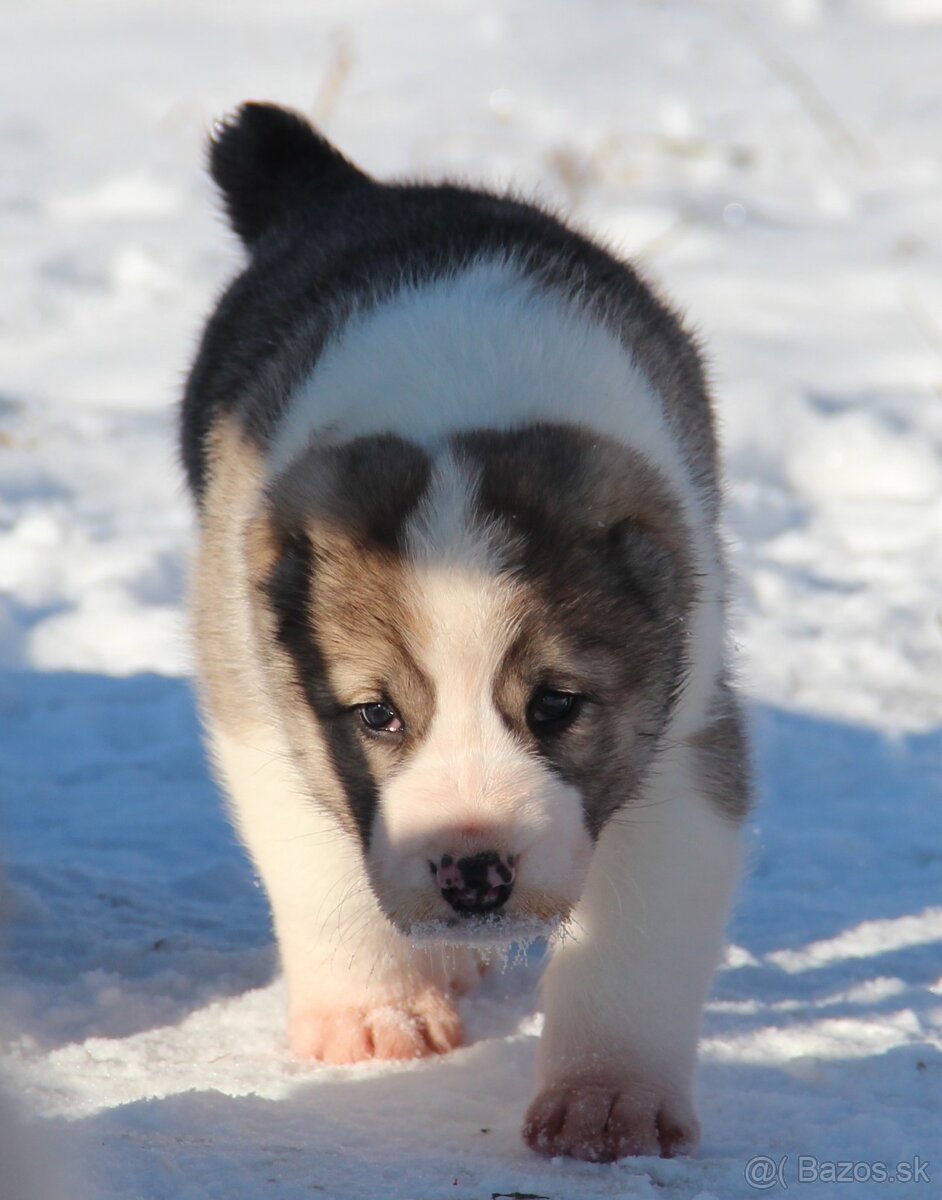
<point>467,615</point>
<point>444,533</point>
<point>467,612</point>
<point>467,618</point>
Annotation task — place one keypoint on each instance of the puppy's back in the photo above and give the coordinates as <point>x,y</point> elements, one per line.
<point>327,243</point>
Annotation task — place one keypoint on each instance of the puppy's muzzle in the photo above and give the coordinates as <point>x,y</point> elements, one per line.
<point>476,885</point>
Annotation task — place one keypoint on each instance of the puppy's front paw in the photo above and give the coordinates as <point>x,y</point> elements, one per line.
<point>425,1024</point>
<point>600,1120</point>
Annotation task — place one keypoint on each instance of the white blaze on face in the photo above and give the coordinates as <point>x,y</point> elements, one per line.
<point>471,786</point>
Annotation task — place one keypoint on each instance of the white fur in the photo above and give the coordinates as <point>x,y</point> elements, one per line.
<point>623,996</point>
<point>443,534</point>
<point>337,949</point>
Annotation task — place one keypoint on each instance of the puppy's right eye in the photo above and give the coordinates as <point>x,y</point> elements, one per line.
<point>380,717</point>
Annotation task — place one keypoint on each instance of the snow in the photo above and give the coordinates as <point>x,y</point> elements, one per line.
<point>777,167</point>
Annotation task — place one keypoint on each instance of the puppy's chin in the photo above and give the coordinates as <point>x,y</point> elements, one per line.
<point>497,930</point>
<point>527,918</point>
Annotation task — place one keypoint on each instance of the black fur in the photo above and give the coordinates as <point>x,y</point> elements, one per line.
<point>268,162</point>
<point>327,240</point>
<point>288,590</point>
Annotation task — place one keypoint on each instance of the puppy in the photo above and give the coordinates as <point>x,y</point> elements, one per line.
<point>458,606</point>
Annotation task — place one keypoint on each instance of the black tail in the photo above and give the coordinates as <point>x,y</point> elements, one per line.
<point>268,162</point>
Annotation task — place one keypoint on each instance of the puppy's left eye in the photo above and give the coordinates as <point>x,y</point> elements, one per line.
<point>550,711</point>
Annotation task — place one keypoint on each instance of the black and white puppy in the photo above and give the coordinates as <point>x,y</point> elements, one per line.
<point>459,617</point>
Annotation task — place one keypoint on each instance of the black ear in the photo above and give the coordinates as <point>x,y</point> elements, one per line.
<point>269,162</point>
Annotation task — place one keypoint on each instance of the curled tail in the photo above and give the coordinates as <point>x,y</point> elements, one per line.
<point>269,162</point>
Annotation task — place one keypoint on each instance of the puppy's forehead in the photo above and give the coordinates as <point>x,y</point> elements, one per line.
<point>467,603</point>
<point>478,538</point>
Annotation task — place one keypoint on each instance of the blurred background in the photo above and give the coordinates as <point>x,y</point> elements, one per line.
<point>777,168</point>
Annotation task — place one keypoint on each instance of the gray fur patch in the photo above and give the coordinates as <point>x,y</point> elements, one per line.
<point>721,750</point>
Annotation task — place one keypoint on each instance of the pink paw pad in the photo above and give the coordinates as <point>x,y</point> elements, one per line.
<point>415,1028</point>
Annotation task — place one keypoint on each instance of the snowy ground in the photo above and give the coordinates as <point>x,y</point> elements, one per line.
<point>778,167</point>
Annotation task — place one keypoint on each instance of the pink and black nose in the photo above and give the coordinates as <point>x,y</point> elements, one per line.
<point>476,885</point>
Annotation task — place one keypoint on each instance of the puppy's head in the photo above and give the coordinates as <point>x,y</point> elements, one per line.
<point>476,651</point>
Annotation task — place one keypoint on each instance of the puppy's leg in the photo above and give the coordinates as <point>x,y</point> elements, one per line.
<point>356,988</point>
<point>623,998</point>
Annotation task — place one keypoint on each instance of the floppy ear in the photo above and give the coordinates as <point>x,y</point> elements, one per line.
<point>269,162</point>
<point>647,565</point>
